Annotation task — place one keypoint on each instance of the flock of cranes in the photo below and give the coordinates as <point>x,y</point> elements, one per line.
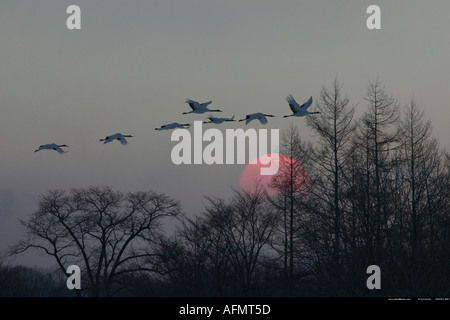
<point>200,108</point>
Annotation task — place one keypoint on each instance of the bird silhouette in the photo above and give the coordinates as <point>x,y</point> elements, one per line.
<point>173,125</point>
<point>216,120</point>
<point>299,110</point>
<point>52,146</point>
<point>262,117</point>
<point>199,108</point>
<point>117,136</point>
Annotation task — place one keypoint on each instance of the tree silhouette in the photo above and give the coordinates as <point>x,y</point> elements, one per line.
<point>334,127</point>
<point>219,252</point>
<point>106,232</point>
<point>291,182</point>
<point>378,129</point>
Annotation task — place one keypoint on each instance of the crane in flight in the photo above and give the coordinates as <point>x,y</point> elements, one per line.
<point>52,146</point>
<point>299,110</point>
<point>216,120</point>
<point>262,117</point>
<point>173,125</point>
<point>199,108</point>
<point>117,136</point>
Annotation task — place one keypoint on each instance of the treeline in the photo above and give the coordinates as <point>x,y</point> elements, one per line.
<point>369,191</point>
<point>20,281</point>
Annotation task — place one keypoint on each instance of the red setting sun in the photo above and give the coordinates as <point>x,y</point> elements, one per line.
<point>277,183</point>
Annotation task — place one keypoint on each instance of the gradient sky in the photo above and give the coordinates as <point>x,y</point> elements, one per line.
<point>133,63</point>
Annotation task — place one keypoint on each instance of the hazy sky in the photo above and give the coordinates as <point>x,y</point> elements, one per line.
<point>133,63</point>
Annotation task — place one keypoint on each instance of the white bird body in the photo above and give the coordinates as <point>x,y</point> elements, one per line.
<point>262,117</point>
<point>117,136</point>
<point>52,146</point>
<point>216,120</point>
<point>199,108</point>
<point>173,125</point>
<point>299,110</point>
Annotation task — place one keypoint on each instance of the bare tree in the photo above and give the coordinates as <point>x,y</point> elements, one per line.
<point>291,182</point>
<point>219,252</point>
<point>209,245</point>
<point>106,232</point>
<point>325,159</point>
<point>196,261</point>
<point>415,134</point>
<point>243,229</point>
<point>420,201</point>
<point>377,128</point>
<point>249,231</point>
<point>334,127</point>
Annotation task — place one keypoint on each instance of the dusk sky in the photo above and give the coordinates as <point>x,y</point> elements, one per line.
<point>134,63</point>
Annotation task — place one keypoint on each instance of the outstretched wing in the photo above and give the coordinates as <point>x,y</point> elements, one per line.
<point>249,118</point>
<point>122,140</point>
<point>205,104</point>
<point>107,140</point>
<point>307,104</point>
<point>59,150</point>
<point>263,119</point>
<point>193,104</point>
<point>295,107</point>
<point>110,138</point>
